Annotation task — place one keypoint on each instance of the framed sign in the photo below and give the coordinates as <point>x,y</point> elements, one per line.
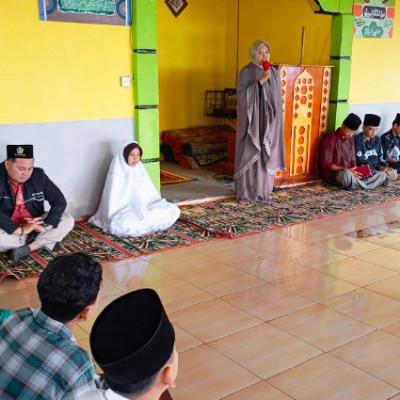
<point>113,12</point>
<point>373,18</point>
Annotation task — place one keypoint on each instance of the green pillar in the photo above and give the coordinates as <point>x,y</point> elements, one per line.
<point>341,51</point>
<point>145,83</point>
<point>340,57</point>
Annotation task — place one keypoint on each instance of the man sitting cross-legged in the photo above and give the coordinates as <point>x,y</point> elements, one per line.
<point>338,159</point>
<point>391,144</point>
<point>40,358</point>
<point>368,145</point>
<point>24,225</point>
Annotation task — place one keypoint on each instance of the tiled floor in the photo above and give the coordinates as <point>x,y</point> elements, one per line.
<point>310,311</point>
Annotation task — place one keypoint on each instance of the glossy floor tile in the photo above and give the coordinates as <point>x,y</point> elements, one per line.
<point>347,245</point>
<point>315,285</point>
<point>268,267</point>
<point>358,272</point>
<point>208,321</point>
<point>323,328</point>
<point>276,351</point>
<point>367,306</point>
<point>267,301</point>
<point>304,312</point>
<point>259,391</point>
<point>378,354</point>
<point>223,280</point>
<point>329,378</point>
<point>207,374</point>
<point>387,257</point>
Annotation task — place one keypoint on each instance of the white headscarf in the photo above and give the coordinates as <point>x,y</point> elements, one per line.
<point>130,204</point>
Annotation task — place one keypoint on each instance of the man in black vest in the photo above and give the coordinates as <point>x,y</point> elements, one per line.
<point>25,226</point>
<point>391,145</point>
<point>368,145</point>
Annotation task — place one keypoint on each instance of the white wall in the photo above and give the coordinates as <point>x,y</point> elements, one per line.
<point>387,112</point>
<point>75,155</point>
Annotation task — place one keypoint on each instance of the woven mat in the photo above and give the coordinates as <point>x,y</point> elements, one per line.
<point>168,177</point>
<point>286,207</point>
<point>103,247</point>
<point>216,220</point>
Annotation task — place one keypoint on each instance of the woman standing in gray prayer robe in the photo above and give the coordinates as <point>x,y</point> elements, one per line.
<point>260,150</point>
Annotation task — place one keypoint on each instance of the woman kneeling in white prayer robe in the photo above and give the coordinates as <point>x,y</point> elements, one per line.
<point>130,204</point>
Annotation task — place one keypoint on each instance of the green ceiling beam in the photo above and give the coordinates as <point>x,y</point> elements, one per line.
<point>334,6</point>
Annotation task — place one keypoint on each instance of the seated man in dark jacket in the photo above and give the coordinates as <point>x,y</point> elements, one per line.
<point>24,224</point>
<point>368,146</point>
<point>391,144</point>
<point>338,159</point>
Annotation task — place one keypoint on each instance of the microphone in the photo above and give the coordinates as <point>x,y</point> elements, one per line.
<point>266,65</point>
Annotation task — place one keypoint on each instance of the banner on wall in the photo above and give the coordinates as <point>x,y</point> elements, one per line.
<point>373,18</point>
<point>111,12</point>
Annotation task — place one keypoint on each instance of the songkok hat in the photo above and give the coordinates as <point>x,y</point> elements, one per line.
<point>397,119</point>
<point>371,120</point>
<point>19,151</point>
<point>352,121</point>
<point>132,339</point>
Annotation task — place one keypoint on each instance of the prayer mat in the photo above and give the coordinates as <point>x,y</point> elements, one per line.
<point>218,220</point>
<point>167,177</point>
<point>288,206</point>
<point>104,247</point>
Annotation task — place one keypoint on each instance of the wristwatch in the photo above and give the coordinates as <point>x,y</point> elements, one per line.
<point>46,226</point>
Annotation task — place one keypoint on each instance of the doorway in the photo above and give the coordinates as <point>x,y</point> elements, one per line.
<point>206,186</point>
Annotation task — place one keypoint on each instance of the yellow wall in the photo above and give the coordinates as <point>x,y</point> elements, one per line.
<point>199,50</point>
<point>374,72</point>
<point>57,71</point>
<point>192,57</point>
<point>280,24</point>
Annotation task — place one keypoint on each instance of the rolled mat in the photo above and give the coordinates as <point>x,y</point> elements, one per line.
<point>188,162</point>
<point>195,149</point>
<point>167,152</point>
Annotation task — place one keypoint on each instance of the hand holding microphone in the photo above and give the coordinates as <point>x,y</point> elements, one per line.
<point>266,65</point>
<point>267,72</point>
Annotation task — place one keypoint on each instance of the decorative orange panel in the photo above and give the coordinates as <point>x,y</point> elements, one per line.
<point>305,97</point>
<point>301,126</point>
<point>326,85</point>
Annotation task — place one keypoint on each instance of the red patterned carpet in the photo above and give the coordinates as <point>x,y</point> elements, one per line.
<point>103,247</point>
<point>220,220</point>
<point>230,219</point>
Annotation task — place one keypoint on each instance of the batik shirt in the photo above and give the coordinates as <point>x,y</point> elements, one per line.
<point>337,151</point>
<point>390,146</point>
<point>369,152</point>
<point>40,359</point>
